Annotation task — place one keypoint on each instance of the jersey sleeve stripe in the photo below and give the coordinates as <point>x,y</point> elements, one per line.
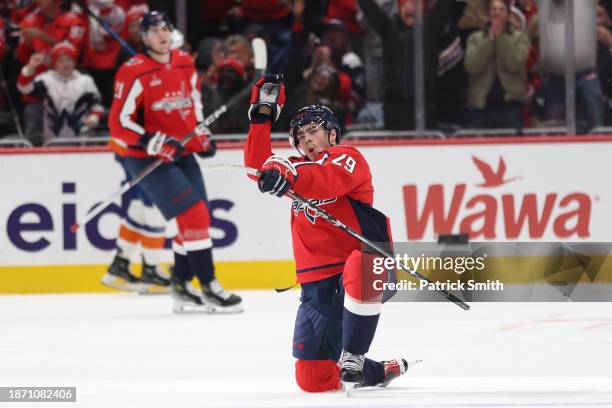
<point>129,107</point>
<point>197,98</point>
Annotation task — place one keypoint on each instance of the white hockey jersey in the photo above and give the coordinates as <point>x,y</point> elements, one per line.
<point>68,100</point>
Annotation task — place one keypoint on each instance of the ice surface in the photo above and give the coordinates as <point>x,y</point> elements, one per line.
<point>127,350</point>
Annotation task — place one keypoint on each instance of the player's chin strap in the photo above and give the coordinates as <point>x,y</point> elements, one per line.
<point>331,219</point>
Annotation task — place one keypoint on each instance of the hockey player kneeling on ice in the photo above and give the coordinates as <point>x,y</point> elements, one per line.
<point>156,104</point>
<point>338,314</point>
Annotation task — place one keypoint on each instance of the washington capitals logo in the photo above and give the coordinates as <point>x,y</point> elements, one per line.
<point>178,100</point>
<point>309,213</point>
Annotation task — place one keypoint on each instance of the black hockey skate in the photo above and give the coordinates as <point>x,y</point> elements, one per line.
<point>219,300</point>
<point>158,281</point>
<point>351,371</point>
<point>119,276</point>
<point>185,298</point>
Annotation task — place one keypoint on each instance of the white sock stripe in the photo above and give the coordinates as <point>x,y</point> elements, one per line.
<point>361,309</point>
<point>197,245</point>
<point>152,256</point>
<point>127,248</point>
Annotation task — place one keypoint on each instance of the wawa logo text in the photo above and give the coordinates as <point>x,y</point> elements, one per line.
<point>490,211</point>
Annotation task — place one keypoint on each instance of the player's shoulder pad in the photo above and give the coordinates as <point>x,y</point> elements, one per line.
<point>344,149</point>
<point>134,63</point>
<point>181,57</point>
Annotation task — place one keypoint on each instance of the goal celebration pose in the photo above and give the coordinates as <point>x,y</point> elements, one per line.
<point>339,308</point>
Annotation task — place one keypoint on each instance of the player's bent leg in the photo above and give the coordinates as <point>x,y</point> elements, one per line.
<point>317,375</point>
<point>317,336</point>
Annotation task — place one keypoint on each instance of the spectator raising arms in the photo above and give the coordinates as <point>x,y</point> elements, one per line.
<point>397,33</point>
<point>553,57</point>
<point>71,99</point>
<point>495,61</point>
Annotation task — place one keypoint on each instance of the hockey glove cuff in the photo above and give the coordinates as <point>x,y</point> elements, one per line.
<point>277,176</point>
<point>163,146</point>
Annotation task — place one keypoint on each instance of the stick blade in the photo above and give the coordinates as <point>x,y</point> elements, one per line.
<point>260,53</point>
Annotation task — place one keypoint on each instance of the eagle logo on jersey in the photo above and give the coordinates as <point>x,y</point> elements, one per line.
<point>309,213</point>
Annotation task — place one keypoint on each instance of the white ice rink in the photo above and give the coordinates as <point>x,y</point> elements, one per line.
<point>131,351</point>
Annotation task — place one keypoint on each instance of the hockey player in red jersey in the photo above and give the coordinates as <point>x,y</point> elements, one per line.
<point>338,314</point>
<point>156,104</point>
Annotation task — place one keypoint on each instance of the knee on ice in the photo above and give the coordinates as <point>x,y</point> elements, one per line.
<point>317,375</point>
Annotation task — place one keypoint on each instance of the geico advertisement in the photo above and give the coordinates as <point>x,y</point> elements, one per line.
<point>46,193</point>
<point>494,192</point>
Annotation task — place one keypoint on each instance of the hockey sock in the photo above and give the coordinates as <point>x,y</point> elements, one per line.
<point>182,270</point>
<point>357,331</point>
<point>202,264</point>
<point>193,228</point>
<point>362,304</point>
<point>153,235</point>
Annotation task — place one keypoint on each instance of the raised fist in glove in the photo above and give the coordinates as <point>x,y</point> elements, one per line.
<point>267,99</point>
<point>163,146</point>
<point>201,143</point>
<point>277,176</point>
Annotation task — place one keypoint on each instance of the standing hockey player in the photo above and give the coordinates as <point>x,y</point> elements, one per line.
<point>338,314</point>
<point>156,104</point>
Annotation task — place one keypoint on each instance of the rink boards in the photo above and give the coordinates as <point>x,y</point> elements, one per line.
<point>523,189</point>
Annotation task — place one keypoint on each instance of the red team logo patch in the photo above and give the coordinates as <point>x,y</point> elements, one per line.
<point>310,214</point>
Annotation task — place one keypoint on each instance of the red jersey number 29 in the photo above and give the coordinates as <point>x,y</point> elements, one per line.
<point>345,161</point>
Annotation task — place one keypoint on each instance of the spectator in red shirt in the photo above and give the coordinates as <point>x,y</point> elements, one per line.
<point>47,26</point>
<point>20,9</point>
<point>101,50</point>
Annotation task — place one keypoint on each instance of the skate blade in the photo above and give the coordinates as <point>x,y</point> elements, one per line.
<point>189,308</point>
<point>349,387</point>
<point>156,290</point>
<point>216,309</point>
<point>121,284</point>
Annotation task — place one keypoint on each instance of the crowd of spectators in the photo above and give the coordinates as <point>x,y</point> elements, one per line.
<point>487,63</point>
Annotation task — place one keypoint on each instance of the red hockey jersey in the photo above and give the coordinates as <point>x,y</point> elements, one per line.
<point>150,97</point>
<point>340,182</point>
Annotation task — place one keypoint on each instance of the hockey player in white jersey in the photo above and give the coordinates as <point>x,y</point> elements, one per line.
<point>71,99</point>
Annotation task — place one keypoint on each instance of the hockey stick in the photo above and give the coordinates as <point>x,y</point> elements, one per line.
<point>108,29</point>
<point>380,251</point>
<point>261,60</point>
<point>333,220</point>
